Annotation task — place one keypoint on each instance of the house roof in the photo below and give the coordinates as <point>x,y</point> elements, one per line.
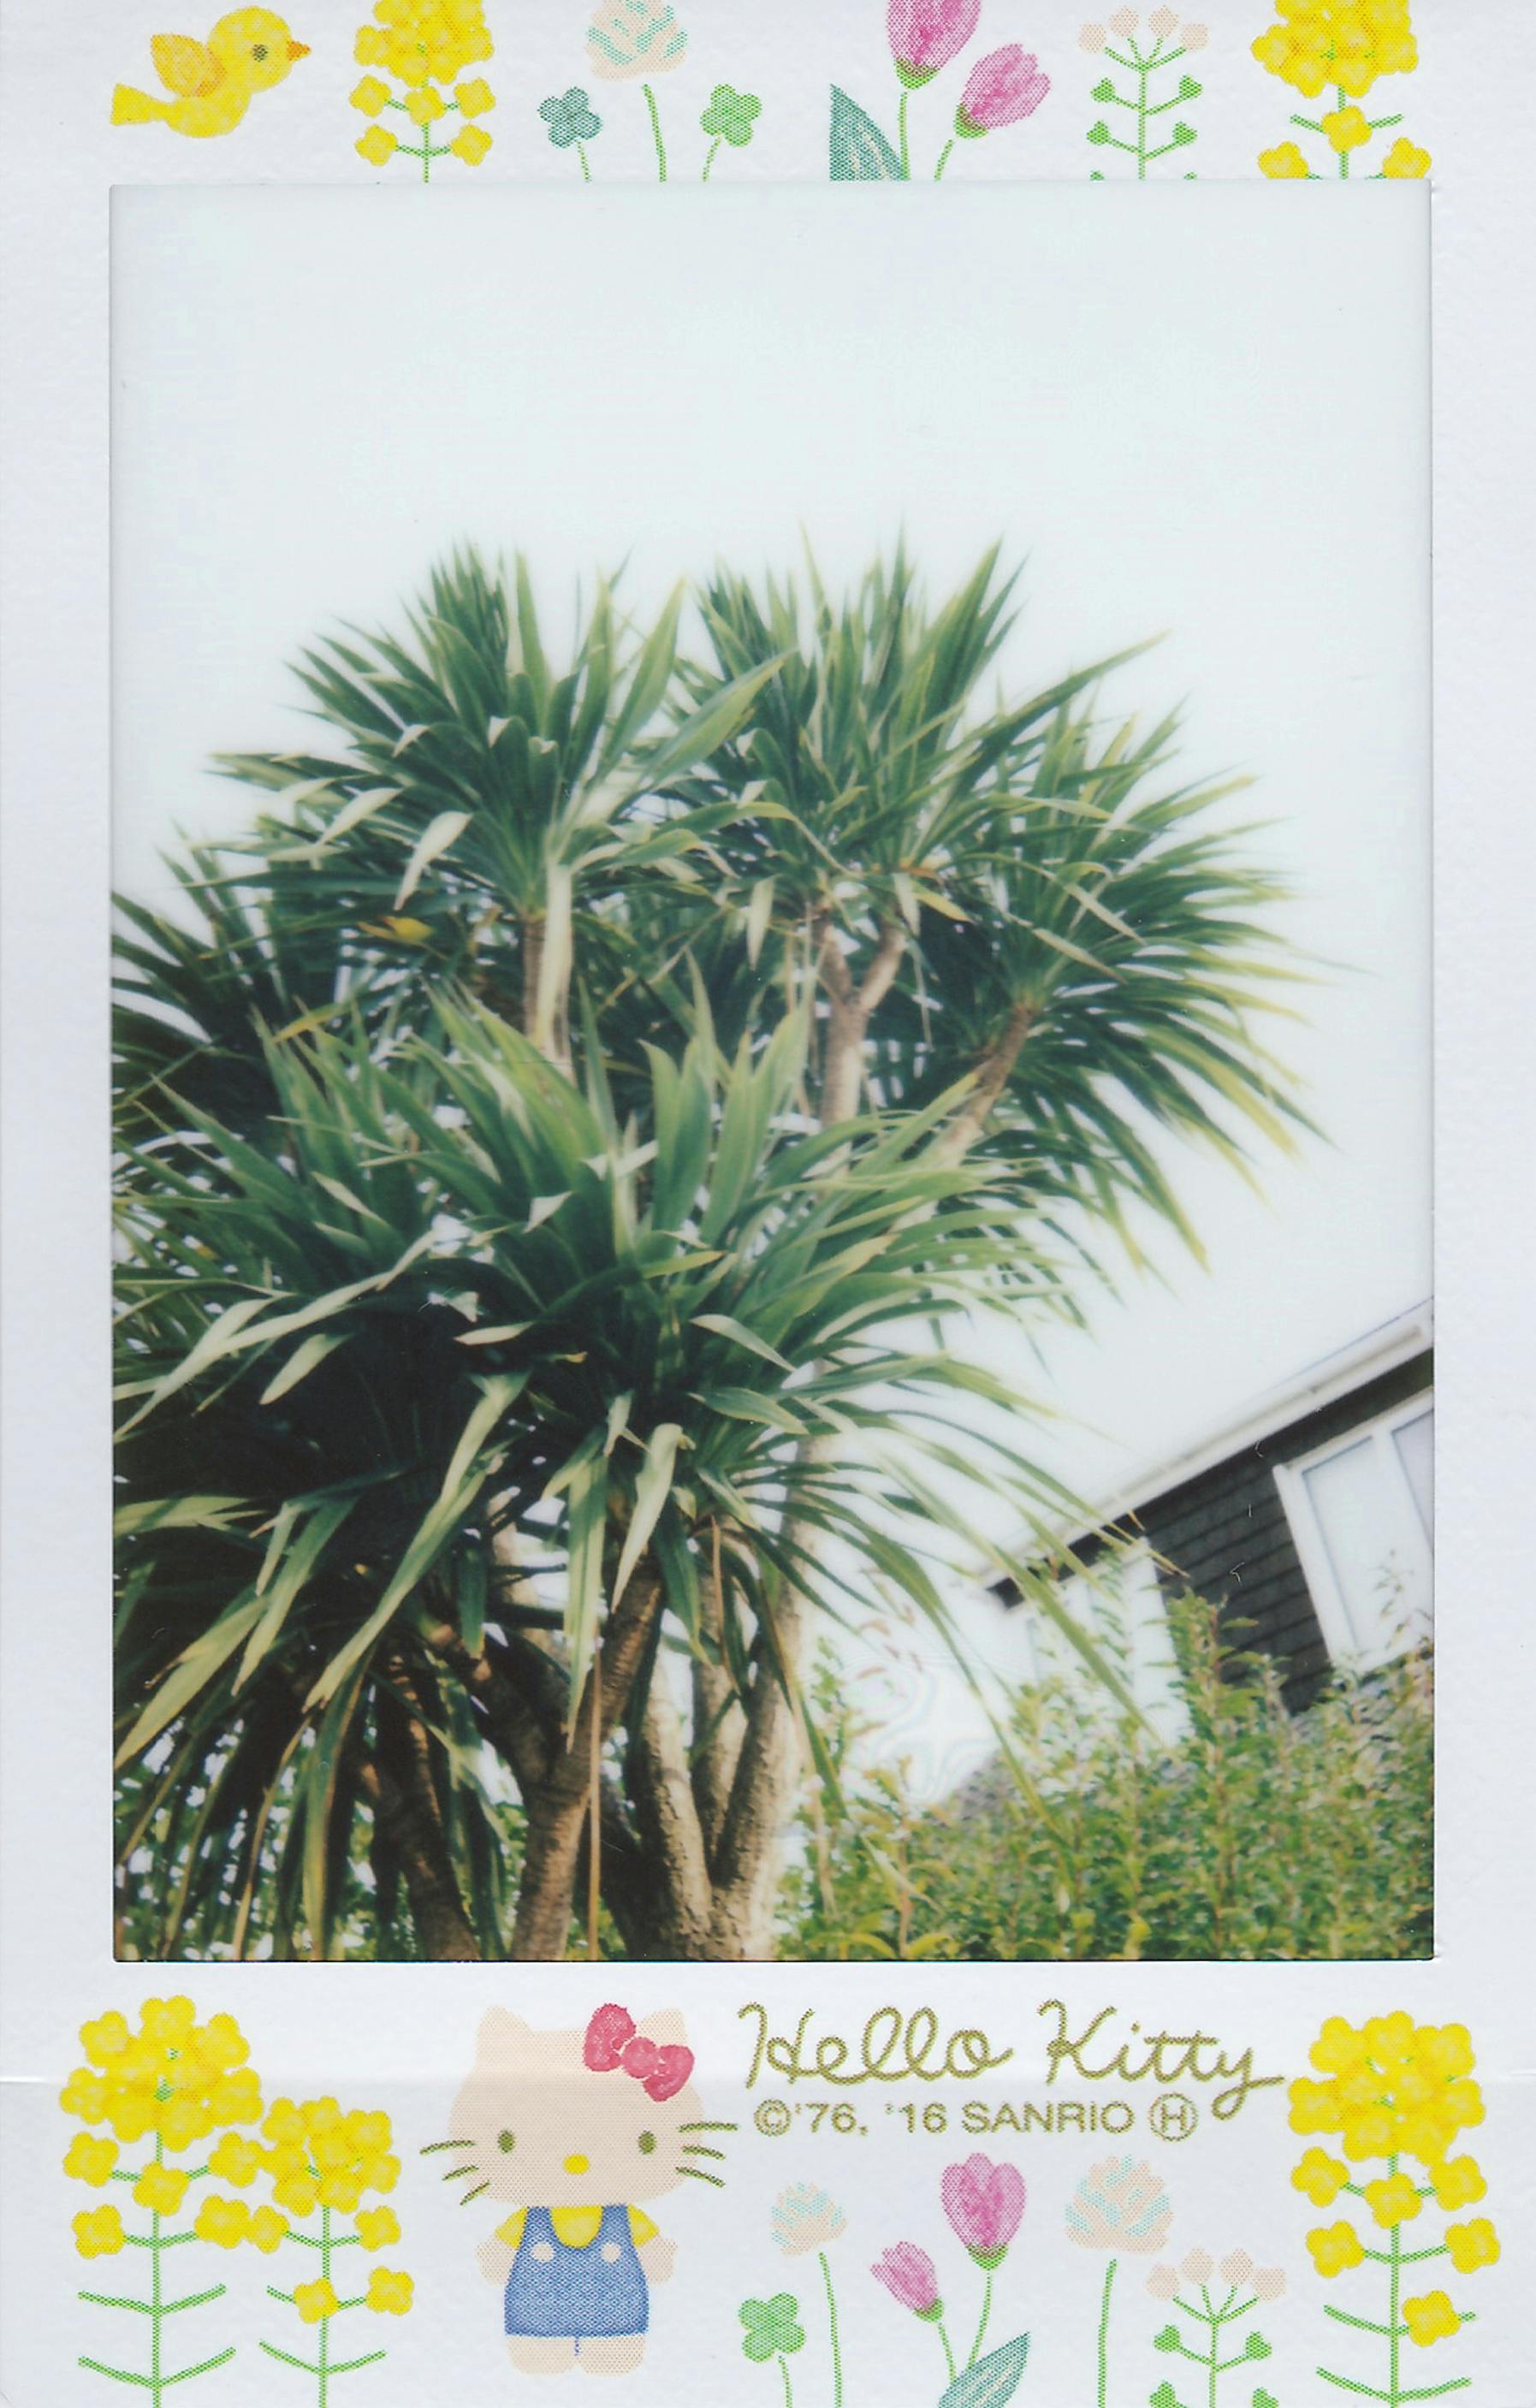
<point>1366,1358</point>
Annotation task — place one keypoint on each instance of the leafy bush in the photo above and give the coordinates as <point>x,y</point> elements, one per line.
<point>1261,1834</point>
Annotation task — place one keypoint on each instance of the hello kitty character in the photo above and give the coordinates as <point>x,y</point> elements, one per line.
<point>573,2129</point>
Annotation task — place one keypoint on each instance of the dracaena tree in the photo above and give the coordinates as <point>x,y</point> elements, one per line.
<point>559,1141</point>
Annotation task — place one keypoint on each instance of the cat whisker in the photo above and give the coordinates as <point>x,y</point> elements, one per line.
<point>701,2125</point>
<point>699,2175</point>
<point>433,2146</point>
<point>456,2174</point>
<point>697,2149</point>
<point>473,2194</point>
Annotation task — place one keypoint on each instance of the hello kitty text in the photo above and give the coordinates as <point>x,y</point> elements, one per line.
<point>892,2047</point>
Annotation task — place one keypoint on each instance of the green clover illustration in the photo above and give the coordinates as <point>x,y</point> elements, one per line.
<point>772,2326</point>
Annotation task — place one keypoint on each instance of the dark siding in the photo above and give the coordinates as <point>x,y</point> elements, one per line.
<point>1226,1534</point>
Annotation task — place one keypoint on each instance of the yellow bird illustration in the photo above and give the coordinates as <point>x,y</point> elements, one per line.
<point>211,82</point>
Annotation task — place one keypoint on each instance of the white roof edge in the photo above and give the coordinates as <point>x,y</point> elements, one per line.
<point>1368,1357</point>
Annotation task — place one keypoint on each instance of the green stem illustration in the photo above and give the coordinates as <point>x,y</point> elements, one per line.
<point>789,2389</point>
<point>832,2329</point>
<point>655,133</point>
<point>157,2307</point>
<point>949,2354</point>
<point>985,2320</point>
<point>1109,2272</point>
<point>714,153</point>
<point>944,158</point>
<point>902,133</point>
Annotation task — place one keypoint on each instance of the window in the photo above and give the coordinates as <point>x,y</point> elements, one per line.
<point>1121,1602</point>
<point>1361,1511</point>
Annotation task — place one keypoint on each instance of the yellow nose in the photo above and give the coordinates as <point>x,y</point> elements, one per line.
<point>577,2164</point>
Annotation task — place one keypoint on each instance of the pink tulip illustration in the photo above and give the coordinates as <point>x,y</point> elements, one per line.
<point>927,34</point>
<point>984,2204</point>
<point>908,2273</point>
<point>1000,90</point>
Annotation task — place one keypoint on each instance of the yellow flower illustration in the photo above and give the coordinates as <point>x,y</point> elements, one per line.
<point>161,2189</point>
<point>265,2229</point>
<point>423,46</point>
<point>1473,2244</point>
<point>172,2077</point>
<point>234,2159</point>
<point>1346,43</point>
<point>1393,2201</point>
<point>471,145</point>
<point>98,2232</point>
<point>1321,2177</point>
<point>224,2221</point>
<point>1394,2089</point>
<point>1335,2247</point>
<point>1431,2319</point>
<point>1283,160</point>
<point>298,2193</point>
<point>106,2038</point>
<point>1347,128</point>
<point>1405,159</point>
<point>91,2161</point>
<point>1458,2183</point>
<point>315,2301</point>
<point>389,2294</point>
<point>376,2226</point>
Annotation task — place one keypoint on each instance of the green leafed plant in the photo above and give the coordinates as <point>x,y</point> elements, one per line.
<point>557,1140</point>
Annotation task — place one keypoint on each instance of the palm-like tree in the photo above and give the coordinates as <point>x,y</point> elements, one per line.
<point>543,1176</point>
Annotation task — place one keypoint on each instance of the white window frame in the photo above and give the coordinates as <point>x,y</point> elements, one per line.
<point>1306,1533</point>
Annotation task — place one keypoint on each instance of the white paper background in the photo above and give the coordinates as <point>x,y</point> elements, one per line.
<point>59,158</point>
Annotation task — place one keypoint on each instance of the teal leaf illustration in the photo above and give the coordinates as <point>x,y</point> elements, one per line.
<point>991,2380</point>
<point>860,153</point>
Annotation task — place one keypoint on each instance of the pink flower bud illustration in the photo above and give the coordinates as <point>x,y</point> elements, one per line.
<point>1235,2267</point>
<point>1093,37</point>
<point>925,34</point>
<point>906,2273</point>
<point>1124,23</point>
<point>1197,2266</point>
<point>984,2204</point>
<point>1000,89</point>
<point>1195,37</point>
<point>1269,2281</point>
<point>1163,2282</point>
<point>1162,22</point>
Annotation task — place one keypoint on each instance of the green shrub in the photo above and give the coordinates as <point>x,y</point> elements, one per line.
<point>1261,1834</point>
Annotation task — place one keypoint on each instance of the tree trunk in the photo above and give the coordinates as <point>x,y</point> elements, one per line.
<point>557,1808</point>
<point>731,1815</point>
<point>400,1786</point>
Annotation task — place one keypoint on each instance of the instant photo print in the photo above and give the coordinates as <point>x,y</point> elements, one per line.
<point>760,1195</point>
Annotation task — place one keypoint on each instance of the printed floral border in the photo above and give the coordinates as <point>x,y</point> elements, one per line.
<point>958,78</point>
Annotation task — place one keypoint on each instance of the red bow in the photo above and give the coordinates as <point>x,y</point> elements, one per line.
<point>613,2045</point>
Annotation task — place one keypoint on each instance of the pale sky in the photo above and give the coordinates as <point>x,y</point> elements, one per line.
<point>1223,439</point>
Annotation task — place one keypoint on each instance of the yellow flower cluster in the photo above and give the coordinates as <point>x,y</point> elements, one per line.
<point>1392,2088</point>
<point>388,2295</point>
<point>424,41</point>
<point>319,2157</point>
<point>424,44</point>
<point>1344,43</point>
<point>175,2078</point>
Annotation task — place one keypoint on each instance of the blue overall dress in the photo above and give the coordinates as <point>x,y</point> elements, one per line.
<point>578,2294</point>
